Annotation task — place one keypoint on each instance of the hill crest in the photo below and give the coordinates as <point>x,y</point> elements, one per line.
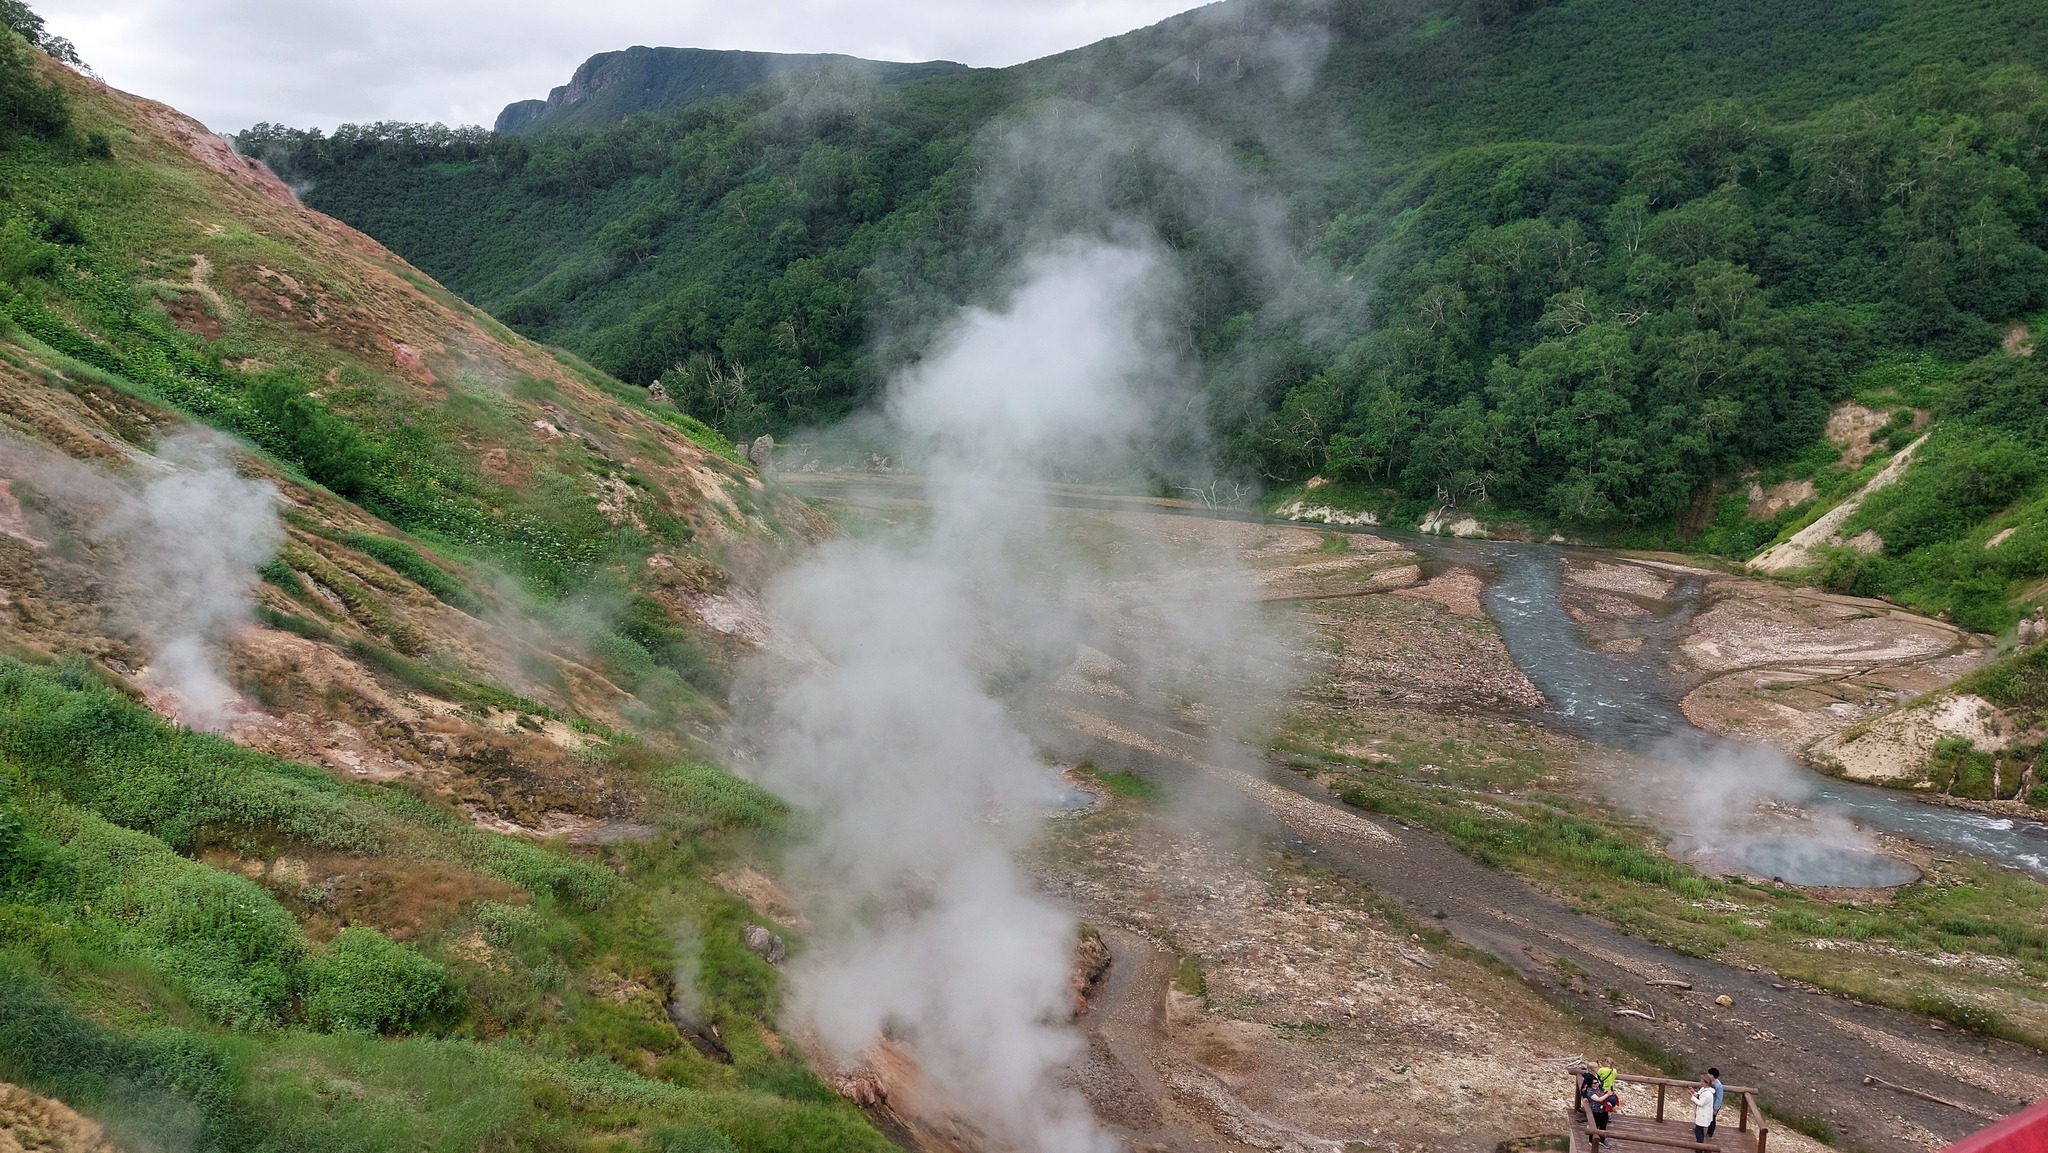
<point>611,86</point>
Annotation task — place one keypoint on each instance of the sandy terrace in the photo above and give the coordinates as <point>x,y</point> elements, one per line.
<point>1617,578</point>
<point>1793,667</point>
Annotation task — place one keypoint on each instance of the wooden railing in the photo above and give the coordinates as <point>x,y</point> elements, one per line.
<point>1746,1099</point>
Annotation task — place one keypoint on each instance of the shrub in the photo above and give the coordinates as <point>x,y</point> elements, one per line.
<point>296,426</point>
<point>169,1090</point>
<point>715,799</point>
<point>690,1141</point>
<point>27,105</point>
<point>367,983</point>
<point>67,730</point>
<point>10,837</point>
<point>216,937</point>
<point>1961,769</point>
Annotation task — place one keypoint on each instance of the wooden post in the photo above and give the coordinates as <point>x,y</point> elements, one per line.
<point>1744,1127</point>
<point>1762,1135</point>
<point>1660,1104</point>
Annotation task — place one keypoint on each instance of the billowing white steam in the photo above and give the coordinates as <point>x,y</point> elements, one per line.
<point>922,783</point>
<point>183,549</point>
<point>191,544</point>
<point>1746,808</point>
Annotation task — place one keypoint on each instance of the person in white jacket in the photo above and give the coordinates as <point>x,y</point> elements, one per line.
<point>1702,1109</point>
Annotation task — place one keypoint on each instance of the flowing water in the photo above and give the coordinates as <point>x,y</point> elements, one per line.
<point>1630,703</point>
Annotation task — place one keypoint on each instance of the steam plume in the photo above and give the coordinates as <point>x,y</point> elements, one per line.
<point>1746,808</point>
<point>922,781</point>
<point>193,540</point>
<point>186,544</point>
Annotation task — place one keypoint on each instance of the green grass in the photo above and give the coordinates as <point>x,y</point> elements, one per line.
<point>1489,802</point>
<point>1124,784</point>
<point>221,1026</point>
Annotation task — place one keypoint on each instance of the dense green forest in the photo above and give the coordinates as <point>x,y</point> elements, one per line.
<point>1575,261</point>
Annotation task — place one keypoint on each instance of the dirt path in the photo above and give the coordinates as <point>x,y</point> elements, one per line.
<point>1809,1051</point>
<point>1124,1077</point>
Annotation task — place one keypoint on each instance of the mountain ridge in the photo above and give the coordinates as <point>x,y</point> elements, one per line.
<point>611,86</point>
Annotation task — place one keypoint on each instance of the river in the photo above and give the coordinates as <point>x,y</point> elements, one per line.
<point>1628,702</point>
<point>1631,703</point>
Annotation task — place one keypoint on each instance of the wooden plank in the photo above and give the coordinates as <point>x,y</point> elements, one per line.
<point>1634,1079</point>
<point>1668,1137</point>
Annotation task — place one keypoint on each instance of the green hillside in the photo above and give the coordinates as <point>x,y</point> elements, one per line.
<point>353,927</point>
<point>1577,265</point>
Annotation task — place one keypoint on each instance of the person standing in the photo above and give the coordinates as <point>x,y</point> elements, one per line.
<point>1720,1095</point>
<point>1702,1109</point>
<point>1602,1101</point>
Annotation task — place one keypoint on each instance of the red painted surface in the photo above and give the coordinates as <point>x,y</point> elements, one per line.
<point>2023,1132</point>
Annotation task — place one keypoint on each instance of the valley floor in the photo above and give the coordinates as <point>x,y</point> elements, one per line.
<point>1295,972</point>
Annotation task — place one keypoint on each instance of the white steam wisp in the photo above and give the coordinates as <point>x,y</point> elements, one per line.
<point>186,546</point>
<point>922,784</point>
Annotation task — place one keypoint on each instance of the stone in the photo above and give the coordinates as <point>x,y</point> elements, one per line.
<point>765,944</point>
<point>656,393</point>
<point>761,454</point>
<point>1724,1000</point>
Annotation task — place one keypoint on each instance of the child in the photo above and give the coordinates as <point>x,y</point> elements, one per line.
<point>1702,1109</point>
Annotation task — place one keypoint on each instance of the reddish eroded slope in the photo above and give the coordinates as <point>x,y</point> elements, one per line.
<point>500,700</point>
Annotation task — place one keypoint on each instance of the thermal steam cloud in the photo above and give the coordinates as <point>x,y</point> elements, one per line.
<point>921,781</point>
<point>182,543</point>
<point>1743,808</point>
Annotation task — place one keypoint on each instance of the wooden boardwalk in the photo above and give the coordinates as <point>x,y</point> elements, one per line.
<point>1639,1128</point>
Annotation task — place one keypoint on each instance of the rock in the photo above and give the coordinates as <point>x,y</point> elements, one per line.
<point>1894,748</point>
<point>1439,522</point>
<point>657,394</point>
<point>1725,1001</point>
<point>765,944</point>
<point>1325,514</point>
<point>46,1125</point>
<point>702,1037</point>
<point>860,1086</point>
<point>1091,965</point>
<point>761,454</point>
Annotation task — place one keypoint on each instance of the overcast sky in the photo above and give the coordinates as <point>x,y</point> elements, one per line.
<point>320,63</point>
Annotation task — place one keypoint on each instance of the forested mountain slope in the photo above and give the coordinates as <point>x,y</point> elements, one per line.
<point>1592,267</point>
<point>611,86</point>
<point>452,798</point>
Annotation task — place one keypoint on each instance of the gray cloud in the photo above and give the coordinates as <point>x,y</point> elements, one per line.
<point>320,63</point>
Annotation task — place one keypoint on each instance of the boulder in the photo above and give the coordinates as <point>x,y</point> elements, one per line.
<point>765,944</point>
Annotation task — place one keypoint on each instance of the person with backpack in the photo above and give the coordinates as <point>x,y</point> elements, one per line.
<point>1702,1109</point>
<point>1602,1101</point>
<point>1590,1082</point>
